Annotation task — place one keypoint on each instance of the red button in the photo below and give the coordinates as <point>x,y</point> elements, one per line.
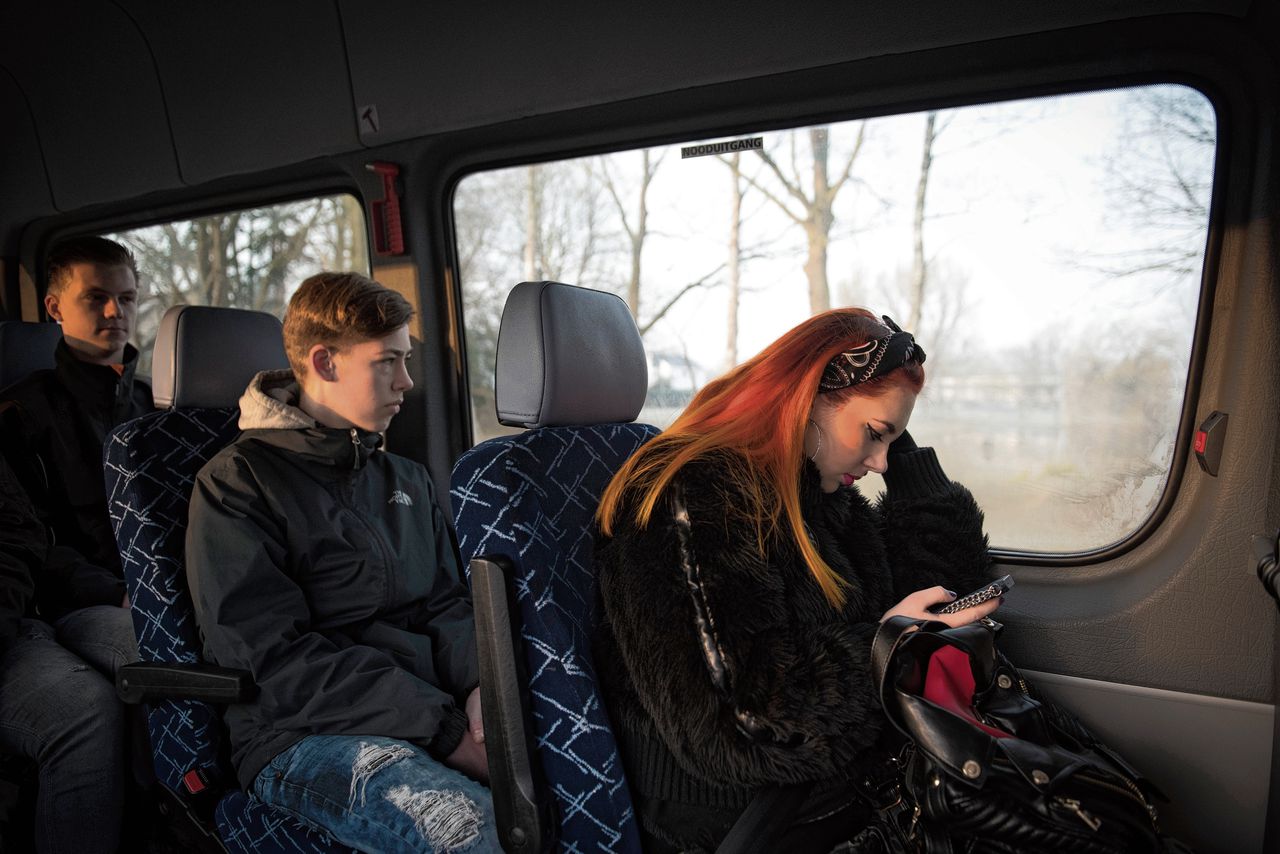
<point>1202,440</point>
<point>192,781</point>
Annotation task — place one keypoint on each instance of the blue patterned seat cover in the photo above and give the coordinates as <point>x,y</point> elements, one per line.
<point>531,497</point>
<point>151,465</point>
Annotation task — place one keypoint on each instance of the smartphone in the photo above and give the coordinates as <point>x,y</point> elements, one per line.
<point>996,588</point>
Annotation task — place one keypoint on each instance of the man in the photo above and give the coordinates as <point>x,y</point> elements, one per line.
<point>325,567</point>
<point>57,698</point>
<point>54,422</point>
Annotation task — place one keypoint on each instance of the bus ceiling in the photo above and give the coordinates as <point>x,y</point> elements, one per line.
<point>110,101</point>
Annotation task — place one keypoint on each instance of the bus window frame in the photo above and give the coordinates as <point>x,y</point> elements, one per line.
<point>1212,80</point>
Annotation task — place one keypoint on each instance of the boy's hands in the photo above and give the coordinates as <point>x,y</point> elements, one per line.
<point>470,756</point>
<point>475,723</point>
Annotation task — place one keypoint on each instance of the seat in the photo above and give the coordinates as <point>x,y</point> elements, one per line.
<point>24,348</point>
<point>570,366</point>
<point>204,359</point>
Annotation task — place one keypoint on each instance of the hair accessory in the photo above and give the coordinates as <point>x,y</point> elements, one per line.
<point>874,359</point>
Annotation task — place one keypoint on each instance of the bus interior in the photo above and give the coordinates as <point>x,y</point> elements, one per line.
<point>1073,205</point>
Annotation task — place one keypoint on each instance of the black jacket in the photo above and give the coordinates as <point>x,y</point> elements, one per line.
<point>53,424</point>
<point>795,670</point>
<point>325,568</point>
<point>22,553</point>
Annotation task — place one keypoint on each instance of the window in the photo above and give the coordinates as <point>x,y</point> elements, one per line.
<point>251,259</point>
<point>1047,253</point>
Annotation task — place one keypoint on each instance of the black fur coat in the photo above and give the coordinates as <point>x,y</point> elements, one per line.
<point>793,663</point>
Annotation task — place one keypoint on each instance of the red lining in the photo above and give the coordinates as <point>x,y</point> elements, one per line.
<point>949,684</point>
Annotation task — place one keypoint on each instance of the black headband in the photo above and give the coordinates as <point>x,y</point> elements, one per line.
<point>874,359</point>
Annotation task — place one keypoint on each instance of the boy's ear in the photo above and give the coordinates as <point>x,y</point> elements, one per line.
<point>52,308</point>
<point>320,363</point>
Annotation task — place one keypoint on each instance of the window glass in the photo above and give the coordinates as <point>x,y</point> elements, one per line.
<point>1046,253</point>
<point>251,259</point>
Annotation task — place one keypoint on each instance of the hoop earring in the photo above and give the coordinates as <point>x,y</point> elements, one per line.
<point>814,456</point>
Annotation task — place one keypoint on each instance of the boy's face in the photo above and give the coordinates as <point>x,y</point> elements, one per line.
<point>98,308</point>
<point>369,382</point>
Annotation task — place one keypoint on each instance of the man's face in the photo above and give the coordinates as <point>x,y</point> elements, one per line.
<point>98,309</point>
<point>370,381</point>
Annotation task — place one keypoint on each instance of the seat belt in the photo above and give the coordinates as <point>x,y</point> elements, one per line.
<point>760,827</point>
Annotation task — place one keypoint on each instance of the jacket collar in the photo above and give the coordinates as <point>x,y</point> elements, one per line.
<point>95,385</point>
<point>269,412</point>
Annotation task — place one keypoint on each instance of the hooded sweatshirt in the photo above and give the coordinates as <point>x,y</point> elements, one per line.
<point>325,567</point>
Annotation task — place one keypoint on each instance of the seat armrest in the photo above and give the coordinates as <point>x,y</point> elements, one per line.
<point>522,810</point>
<point>144,682</point>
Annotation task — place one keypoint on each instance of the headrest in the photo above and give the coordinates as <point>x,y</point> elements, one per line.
<point>204,356</point>
<point>26,347</point>
<point>568,355</point>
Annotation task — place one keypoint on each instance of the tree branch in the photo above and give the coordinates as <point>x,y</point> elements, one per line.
<point>768,194</point>
<point>667,306</point>
<point>617,200</point>
<point>848,166</point>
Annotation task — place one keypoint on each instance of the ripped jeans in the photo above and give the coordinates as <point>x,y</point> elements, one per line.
<point>380,794</point>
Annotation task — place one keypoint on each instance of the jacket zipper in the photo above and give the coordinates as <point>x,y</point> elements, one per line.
<point>1092,822</point>
<point>378,541</point>
<point>1129,789</point>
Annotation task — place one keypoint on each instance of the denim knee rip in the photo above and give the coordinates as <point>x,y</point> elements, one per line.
<point>371,759</point>
<point>448,821</point>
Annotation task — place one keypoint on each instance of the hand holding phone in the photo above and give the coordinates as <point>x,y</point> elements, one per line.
<point>983,594</point>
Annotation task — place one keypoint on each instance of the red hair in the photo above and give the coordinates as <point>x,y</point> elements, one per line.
<point>757,412</point>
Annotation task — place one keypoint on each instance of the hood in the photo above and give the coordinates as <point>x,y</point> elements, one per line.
<point>271,403</point>
<point>269,408</point>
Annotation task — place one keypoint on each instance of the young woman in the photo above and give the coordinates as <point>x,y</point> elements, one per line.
<point>743,577</point>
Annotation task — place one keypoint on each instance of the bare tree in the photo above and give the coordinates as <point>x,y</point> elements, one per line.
<point>243,259</point>
<point>735,255</point>
<point>533,251</point>
<point>918,273</point>
<point>636,229</point>
<point>812,208</point>
<point>1161,177</point>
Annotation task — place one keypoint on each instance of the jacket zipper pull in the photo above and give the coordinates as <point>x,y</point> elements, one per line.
<point>355,449</point>
<point>1075,806</point>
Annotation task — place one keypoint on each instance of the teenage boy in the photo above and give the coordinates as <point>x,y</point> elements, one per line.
<point>325,567</point>
<point>67,628</point>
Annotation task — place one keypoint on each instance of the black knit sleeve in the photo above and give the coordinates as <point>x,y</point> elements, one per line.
<point>932,527</point>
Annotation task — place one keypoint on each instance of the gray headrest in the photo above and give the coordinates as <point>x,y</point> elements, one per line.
<point>568,355</point>
<point>204,356</point>
<point>26,347</point>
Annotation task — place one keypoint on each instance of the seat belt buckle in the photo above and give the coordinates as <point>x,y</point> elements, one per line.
<point>196,781</point>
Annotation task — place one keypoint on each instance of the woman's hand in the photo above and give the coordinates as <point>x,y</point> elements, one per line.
<point>917,605</point>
